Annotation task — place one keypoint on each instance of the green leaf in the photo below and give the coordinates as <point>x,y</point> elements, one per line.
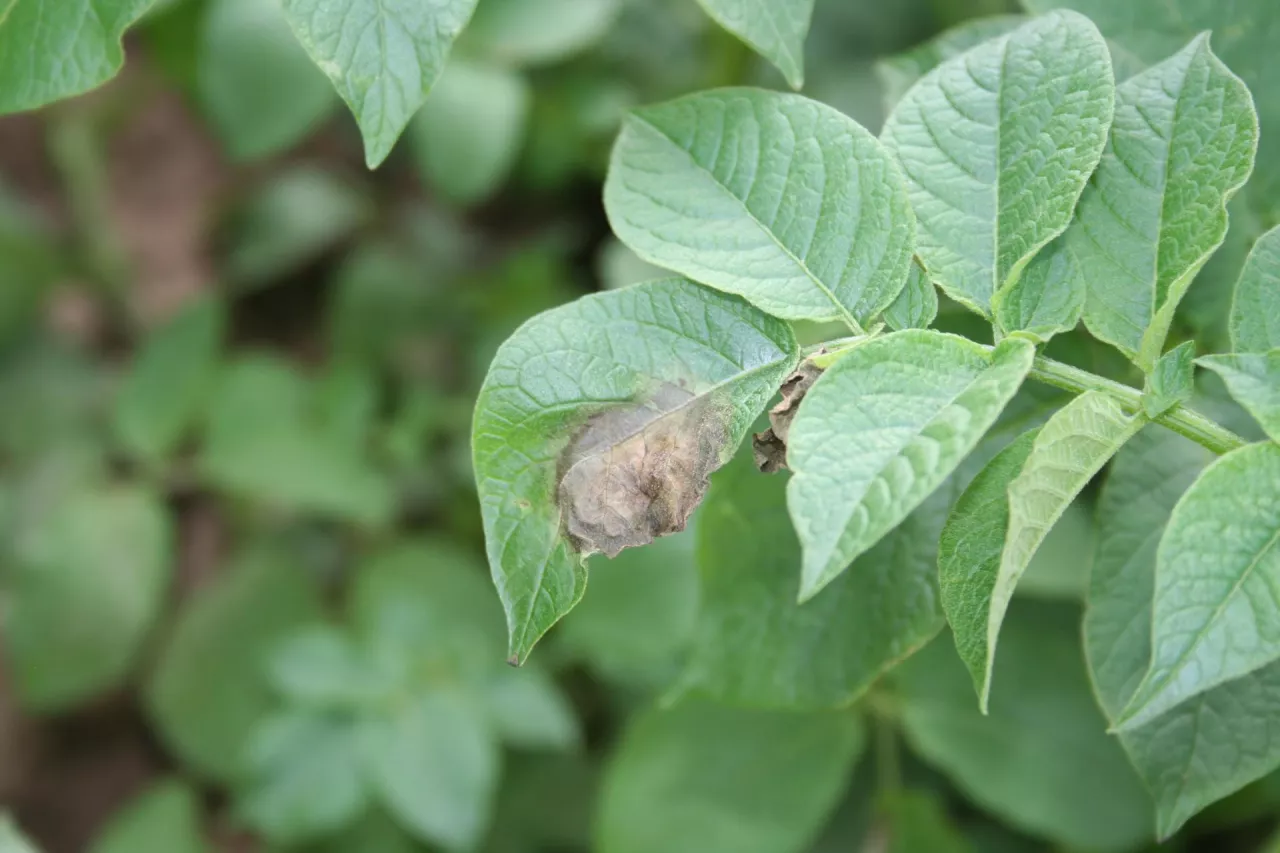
<point>670,363</point>
<point>383,56</point>
<point>1041,760</point>
<point>997,144</point>
<point>319,666</point>
<point>916,305</point>
<point>1057,571</point>
<point>11,840</point>
<point>163,819</point>
<point>1216,742</point>
<point>209,690</point>
<point>528,711</point>
<point>897,74</point>
<point>881,430</point>
<point>775,197</point>
<point>702,778</point>
<point>1182,143</point>
<point>86,587</point>
<point>1047,299</point>
<point>306,777</point>
<point>916,822</point>
<point>168,383</point>
<point>260,90</point>
<point>1254,381</point>
<point>756,646</point>
<point>533,32</point>
<point>1000,522</point>
<point>467,136</point>
<point>1255,311</point>
<point>1172,380</point>
<point>638,614</point>
<point>435,764</point>
<point>54,49</point>
<point>775,29</point>
<point>1213,613</point>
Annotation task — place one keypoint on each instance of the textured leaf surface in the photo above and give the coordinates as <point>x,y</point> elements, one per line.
<point>1214,615</point>
<point>1182,143</point>
<point>899,73</point>
<point>53,49</point>
<point>577,393</point>
<point>756,646</point>
<point>917,305</point>
<point>702,778</point>
<point>1254,381</point>
<point>1224,738</point>
<point>881,429</point>
<point>997,144</point>
<point>1172,380</point>
<point>1255,312</point>
<point>166,817</point>
<point>1047,299</point>
<point>1026,761</point>
<point>775,29</point>
<point>775,197</point>
<point>383,56</point>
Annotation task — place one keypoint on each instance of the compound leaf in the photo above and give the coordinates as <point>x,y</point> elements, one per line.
<point>576,398</point>
<point>997,144</point>
<point>881,430</point>
<point>775,197</point>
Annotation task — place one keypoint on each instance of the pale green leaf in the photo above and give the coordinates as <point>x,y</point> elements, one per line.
<point>1060,567</point>
<point>1047,299</point>
<point>261,91</point>
<point>1254,381</point>
<point>881,430</point>
<point>775,29</point>
<point>1171,381</point>
<point>1214,617</point>
<point>305,777</point>
<point>529,711</point>
<point>1041,760</point>
<point>1181,145</point>
<point>209,690</point>
<point>84,591</point>
<point>11,839</point>
<point>664,362</point>
<point>383,56</point>
<point>756,646</point>
<point>775,197</point>
<point>899,73</point>
<point>997,144</point>
<point>53,49</point>
<point>1255,311</point>
<point>435,764</point>
<point>168,384</point>
<point>702,778</point>
<point>319,666</point>
<point>466,137</point>
<point>1218,741</point>
<point>917,304</point>
<point>529,32</point>
<point>163,819</point>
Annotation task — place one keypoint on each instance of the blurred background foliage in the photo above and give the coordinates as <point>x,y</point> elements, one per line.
<point>242,589</point>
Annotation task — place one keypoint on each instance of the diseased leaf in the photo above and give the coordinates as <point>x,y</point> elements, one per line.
<point>775,197</point>
<point>649,388</point>
<point>1182,143</point>
<point>702,778</point>
<point>756,646</point>
<point>997,144</point>
<point>917,303</point>
<point>1047,299</point>
<point>881,430</point>
<point>1254,381</point>
<point>53,49</point>
<point>383,56</point>
<point>1255,311</point>
<point>770,446</point>
<point>1214,618</point>
<point>899,73</point>
<point>775,29</point>
<point>163,819</point>
<point>1041,760</point>
<point>1218,741</point>
<point>1172,380</point>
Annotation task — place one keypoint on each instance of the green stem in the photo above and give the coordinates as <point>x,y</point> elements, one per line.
<point>888,768</point>
<point>1186,422</point>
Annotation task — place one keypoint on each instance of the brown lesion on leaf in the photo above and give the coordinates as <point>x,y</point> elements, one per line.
<point>637,471</point>
<point>770,446</point>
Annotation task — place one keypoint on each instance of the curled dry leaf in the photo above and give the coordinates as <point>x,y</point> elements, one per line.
<point>636,472</point>
<point>770,446</point>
